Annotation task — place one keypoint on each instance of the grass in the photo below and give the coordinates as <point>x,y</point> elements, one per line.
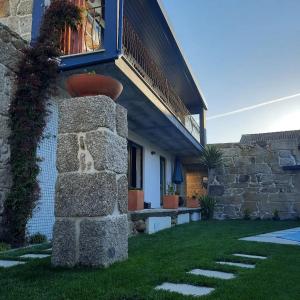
<point>167,256</point>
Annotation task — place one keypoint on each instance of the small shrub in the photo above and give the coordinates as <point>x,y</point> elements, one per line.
<point>37,238</point>
<point>276,215</point>
<point>207,207</point>
<point>4,247</point>
<point>247,214</point>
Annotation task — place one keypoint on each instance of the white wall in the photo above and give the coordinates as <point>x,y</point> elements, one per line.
<point>151,169</point>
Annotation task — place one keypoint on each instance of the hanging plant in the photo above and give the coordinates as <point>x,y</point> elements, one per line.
<point>35,82</point>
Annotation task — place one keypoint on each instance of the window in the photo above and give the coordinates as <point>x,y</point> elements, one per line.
<point>135,166</point>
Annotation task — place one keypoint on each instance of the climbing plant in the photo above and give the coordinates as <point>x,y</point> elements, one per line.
<point>35,82</point>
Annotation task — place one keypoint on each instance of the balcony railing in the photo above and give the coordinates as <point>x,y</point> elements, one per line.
<point>141,59</point>
<point>89,37</point>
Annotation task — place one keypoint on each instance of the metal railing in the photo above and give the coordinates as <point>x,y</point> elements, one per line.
<point>141,59</point>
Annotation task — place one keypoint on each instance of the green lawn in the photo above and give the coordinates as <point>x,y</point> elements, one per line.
<point>167,256</point>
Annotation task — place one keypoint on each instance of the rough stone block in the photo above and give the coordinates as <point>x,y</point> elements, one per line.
<point>24,8</point>
<point>121,121</point>
<point>67,153</point>
<point>104,241</point>
<point>85,195</point>
<point>216,190</point>
<point>64,243</point>
<point>4,129</point>
<point>86,113</point>
<point>290,161</point>
<point>108,150</point>
<point>122,186</point>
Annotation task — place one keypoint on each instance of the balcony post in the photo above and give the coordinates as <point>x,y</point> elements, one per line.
<point>202,123</point>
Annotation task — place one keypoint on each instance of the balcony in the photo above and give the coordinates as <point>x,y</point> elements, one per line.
<point>90,38</point>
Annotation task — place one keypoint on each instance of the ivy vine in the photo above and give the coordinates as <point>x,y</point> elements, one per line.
<point>35,82</point>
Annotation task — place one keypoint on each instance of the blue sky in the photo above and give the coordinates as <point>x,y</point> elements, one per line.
<point>242,52</point>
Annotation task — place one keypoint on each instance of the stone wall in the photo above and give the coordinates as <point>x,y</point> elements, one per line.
<point>10,46</point>
<point>252,177</point>
<point>17,15</point>
<point>91,204</point>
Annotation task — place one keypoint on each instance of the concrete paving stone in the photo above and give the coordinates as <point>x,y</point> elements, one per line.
<point>234,264</point>
<point>10,263</point>
<point>185,289</point>
<point>212,273</point>
<point>31,255</point>
<point>249,256</point>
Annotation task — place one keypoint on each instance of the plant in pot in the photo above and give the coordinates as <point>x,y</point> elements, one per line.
<point>211,158</point>
<point>171,200</point>
<point>135,199</point>
<point>193,202</point>
<point>92,84</point>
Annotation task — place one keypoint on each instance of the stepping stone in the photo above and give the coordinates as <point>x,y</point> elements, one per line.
<point>240,265</point>
<point>185,289</point>
<point>34,255</point>
<point>250,256</point>
<point>10,263</point>
<point>213,274</point>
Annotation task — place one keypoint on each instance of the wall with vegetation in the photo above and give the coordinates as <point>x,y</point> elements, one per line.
<point>10,45</point>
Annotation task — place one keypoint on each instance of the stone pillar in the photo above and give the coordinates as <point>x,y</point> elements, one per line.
<point>91,224</point>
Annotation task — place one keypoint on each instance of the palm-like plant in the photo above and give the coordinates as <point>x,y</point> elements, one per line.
<point>211,158</point>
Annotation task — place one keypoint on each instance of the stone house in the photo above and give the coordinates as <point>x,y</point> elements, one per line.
<point>133,42</point>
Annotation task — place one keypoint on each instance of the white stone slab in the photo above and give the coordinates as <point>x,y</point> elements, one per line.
<point>195,216</point>
<point>183,218</point>
<point>213,274</point>
<point>34,255</point>
<point>49,249</point>
<point>10,263</point>
<point>240,265</point>
<point>185,289</point>
<point>155,224</point>
<point>250,256</point>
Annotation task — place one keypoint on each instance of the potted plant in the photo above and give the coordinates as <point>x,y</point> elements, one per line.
<point>135,199</point>
<point>192,202</point>
<point>211,158</point>
<point>92,84</point>
<point>170,201</point>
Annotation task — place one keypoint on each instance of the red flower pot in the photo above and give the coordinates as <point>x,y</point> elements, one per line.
<point>170,201</point>
<point>81,85</point>
<point>135,200</point>
<point>192,203</point>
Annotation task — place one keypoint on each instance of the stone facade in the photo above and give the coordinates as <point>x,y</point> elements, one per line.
<point>91,226</point>
<point>10,54</point>
<point>17,15</point>
<point>256,176</point>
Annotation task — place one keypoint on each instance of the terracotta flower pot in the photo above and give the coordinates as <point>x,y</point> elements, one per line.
<point>135,200</point>
<point>170,201</point>
<point>192,203</point>
<point>81,85</point>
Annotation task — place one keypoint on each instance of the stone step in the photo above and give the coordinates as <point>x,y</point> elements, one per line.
<point>234,264</point>
<point>185,289</point>
<point>213,274</point>
<point>250,256</point>
<point>33,256</point>
<point>10,263</point>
